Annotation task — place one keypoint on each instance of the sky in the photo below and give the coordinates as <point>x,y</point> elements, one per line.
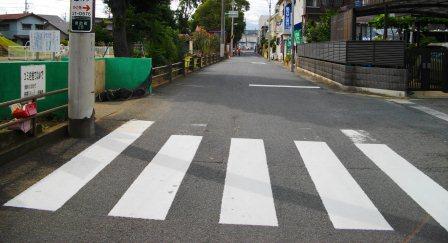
<point>61,8</point>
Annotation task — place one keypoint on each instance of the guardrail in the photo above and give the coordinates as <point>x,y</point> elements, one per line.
<point>195,63</point>
<point>34,117</point>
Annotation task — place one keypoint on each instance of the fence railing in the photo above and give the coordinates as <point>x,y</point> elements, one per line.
<point>170,71</point>
<point>23,53</point>
<point>166,72</point>
<point>362,53</point>
<point>34,117</point>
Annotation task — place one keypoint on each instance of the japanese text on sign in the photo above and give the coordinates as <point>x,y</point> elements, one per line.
<point>45,41</point>
<point>81,15</point>
<point>32,80</point>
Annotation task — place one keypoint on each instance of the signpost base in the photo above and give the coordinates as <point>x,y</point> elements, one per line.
<point>81,128</point>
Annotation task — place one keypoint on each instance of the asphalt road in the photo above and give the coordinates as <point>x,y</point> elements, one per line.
<point>237,173</point>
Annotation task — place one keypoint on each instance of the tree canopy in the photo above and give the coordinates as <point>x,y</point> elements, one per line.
<point>208,16</point>
<point>157,27</point>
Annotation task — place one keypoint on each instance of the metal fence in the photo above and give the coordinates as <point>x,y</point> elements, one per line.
<point>34,117</point>
<point>168,72</point>
<point>333,51</point>
<point>427,68</point>
<point>23,53</point>
<point>362,53</point>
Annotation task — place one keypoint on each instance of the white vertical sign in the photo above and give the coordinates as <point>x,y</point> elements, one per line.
<point>33,80</point>
<point>45,41</point>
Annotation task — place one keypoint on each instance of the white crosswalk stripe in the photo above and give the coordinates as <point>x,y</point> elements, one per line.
<point>247,197</point>
<point>153,192</point>
<point>346,203</point>
<point>53,191</point>
<point>422,189</point>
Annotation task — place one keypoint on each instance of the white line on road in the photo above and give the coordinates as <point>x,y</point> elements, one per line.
<point>150,196</point>
<point>431,112</point>
<point>357,136</point>
<point>247,197</point>
<point>346,203</point>
<point>401,101</point>
<point>421,188</point>
<point>53,191</point>
<point>283,86</point>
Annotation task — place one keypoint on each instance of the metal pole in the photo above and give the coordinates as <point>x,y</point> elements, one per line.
<point>231,31</point>
<point>269,31</point>
<point>292,37</point>
<point>231,41</point>
<point>223,40</point>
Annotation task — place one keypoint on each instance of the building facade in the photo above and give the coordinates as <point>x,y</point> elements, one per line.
<point>282,26</point>
<point>17,27</point>
<point>248,40</point>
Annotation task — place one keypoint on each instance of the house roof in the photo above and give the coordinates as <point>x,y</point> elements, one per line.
<point>14,16</point>
<point>53,20</point>
<point>56,21</point>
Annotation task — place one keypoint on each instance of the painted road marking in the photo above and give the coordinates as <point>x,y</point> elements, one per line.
<point>357,136</point>
<point>247,197</point>
<point>53,191</point>
<point>346,203</point>
<point>431,112</point>
<point>262,63</point>
<point>283,86</point>
<point>401,101</point>
<point>421,188</point>
<point>150,196</point>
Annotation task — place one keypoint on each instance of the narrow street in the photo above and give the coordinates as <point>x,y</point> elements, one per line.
<point>243,150</point>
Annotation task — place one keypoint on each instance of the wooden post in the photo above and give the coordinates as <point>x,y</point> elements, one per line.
<point>170,72</point>
<point>34,122</point>
<point>386,16</point>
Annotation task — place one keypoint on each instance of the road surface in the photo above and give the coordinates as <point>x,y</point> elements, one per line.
<point>243,150</point>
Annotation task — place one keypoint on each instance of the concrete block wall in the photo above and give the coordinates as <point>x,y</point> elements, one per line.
<point>369,77</point>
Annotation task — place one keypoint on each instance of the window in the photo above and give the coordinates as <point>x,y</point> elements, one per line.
<point>4,27</point>
<point>40,27</point>
<point>311,3</point>
<point>26,26</point>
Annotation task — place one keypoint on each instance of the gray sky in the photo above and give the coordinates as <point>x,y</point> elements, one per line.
<point>61,8</point>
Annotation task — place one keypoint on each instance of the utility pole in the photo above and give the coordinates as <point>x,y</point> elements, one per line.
<point>27,6</point>
<point>292,37</point>
<point>81,72</point>
<point>231,32</point>
<point>269,31</point>
<point>223,30</point>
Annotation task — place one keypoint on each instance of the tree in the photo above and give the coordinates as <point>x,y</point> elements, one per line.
<point>103,36</point>
<point>318,31</point>
<point>119,9</point>
<point>405,23</point>
<point>183,14</point>
<point>208,16</point>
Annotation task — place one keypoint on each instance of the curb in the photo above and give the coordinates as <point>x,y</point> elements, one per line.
<point>52,135</point>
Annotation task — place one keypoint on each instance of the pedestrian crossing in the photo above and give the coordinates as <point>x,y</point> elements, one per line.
<point>247,196</point>
<point>153,192</point>
<point>347,205</point>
